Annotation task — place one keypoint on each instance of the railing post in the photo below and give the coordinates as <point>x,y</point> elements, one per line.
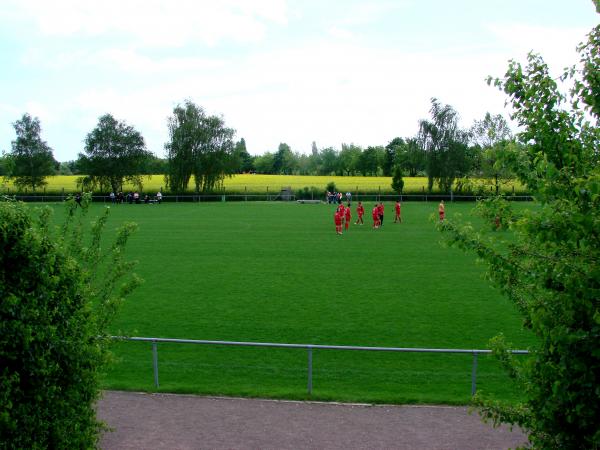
<point>309,384</point>
<point>474,375</point>
<point>155,362</point>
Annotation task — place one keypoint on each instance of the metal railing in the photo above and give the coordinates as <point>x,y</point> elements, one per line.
<point>276,197</point>
<point>310,348</point>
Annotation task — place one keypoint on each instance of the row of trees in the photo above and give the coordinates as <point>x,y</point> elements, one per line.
<point>202,146</point>
<point>441,150</point>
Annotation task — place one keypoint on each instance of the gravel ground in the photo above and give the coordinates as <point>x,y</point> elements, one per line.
<point>167,421</point>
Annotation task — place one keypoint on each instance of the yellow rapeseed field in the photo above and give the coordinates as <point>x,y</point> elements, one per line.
<point>256,184</point>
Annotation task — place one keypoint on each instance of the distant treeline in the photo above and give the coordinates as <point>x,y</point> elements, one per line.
<point>202,150</point>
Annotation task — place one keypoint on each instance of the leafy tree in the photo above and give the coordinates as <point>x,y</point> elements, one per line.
<point>397,180</point>
<point>368,162</point>
<point>200,145</point>
<point>69,168</point>
<point>410,156</point>
<point>243,161</point>
<point>57,296</point>
<point>114,153</point>
<point>154,165</point>
<point>391,155</point>
<point>305,164</point>
<point>4,166</point>
<point>490,131</point>
<point>64,169</point>
<point>348,159</point>
<point>264,163</point>
<point>329,161</point>
<point>550,265</point>
<point>284,161</point>
<point>494,137</point>
<point>31,159</point>
<point>445,145</point>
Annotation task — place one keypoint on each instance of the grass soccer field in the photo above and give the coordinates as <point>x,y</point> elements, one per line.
<point>277,272</point>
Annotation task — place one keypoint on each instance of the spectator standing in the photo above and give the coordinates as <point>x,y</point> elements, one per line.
<point>159,197</point>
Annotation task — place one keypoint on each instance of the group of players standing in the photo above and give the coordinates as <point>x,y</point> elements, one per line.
<point>343,215</point>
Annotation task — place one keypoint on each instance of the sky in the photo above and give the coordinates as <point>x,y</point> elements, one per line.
<point>293,71</point>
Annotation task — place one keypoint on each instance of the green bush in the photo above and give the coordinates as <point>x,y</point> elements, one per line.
<point>56,299</point>
<point>309,193</point>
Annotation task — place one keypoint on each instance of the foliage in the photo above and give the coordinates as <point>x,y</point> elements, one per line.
<point>58,295</point>
<point>331,187</point>
<point>284,161</point>
<point>154,165</point>
<point>328,161</point>
<point>391,155</point>
<point>242,160</point>
<point>114,153</point>
<point>397,180</point>
<point>200,145</point>
<point>31,160</point>
<point>264,163</point>
<point>445,145</point>
<point>368,161</point>
<point>411,157</point>
<point>490,131</point>
<point>348,159</point>
<point>497,212</point>
<point>493,136</point>
<point>311,192</point>
<point>550,267</point>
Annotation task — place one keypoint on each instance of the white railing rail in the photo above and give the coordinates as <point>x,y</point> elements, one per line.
<point>310,348</point>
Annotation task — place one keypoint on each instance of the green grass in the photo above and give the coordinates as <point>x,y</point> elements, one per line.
<point>277,272</point>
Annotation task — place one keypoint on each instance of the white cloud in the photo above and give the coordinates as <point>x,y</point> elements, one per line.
<point>155,22</point>
<point>330,90</point>
<point>557,45</point>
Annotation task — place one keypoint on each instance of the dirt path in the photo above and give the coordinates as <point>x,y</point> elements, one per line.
<point>166,421</point>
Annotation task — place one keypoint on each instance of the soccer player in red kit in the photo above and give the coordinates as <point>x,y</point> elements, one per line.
<point>398,217</point>
<point>375,213</point>
<point>341,212</point>
<point>360,211</point>
<point>347,216</point>
<point>380,207</point>
<point>337,219</point>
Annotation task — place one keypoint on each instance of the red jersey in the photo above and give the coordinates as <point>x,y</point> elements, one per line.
<point>348,214</point>
<point>397,208</point>
<point>360,210</point>
<point>376,212</point>
<point>337,218</point>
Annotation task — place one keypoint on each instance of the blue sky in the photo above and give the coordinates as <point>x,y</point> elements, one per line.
<point>291,71</point>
